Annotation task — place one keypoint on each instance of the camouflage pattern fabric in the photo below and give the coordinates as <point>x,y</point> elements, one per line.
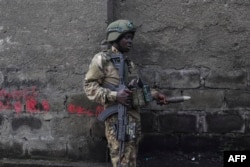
<point>101,71</point>
<point>128,159</point>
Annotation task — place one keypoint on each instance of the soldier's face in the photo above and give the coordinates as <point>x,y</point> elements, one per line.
<point>125,43</point>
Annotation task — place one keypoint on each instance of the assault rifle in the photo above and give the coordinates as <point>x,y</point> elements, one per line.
<point>122,124</point>
<point>114,109</point>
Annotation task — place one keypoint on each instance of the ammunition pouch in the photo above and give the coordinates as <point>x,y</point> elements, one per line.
<point>130,131</point>
<point>138,98</point>
<point>141,96</point>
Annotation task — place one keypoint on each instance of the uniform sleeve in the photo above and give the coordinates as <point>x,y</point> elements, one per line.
<point>93,80</point>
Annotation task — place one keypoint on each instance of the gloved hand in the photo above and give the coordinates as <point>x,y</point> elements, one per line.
<point>124,97</point>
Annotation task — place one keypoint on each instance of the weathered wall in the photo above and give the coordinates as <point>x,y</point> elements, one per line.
<point>190,47</point>
<point>196,48</point>
<point>45,46</point>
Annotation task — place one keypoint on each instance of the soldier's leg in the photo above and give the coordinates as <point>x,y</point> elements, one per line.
<point>110,132</point>
<point>128,158</point>
<point>132,145</point>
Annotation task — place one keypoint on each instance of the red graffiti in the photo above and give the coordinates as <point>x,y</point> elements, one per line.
<point>31,104</point>
<point>22,100</point>
<point>45,105</point>
<point>99,109</point>
<point>18,106</point>
<point>82,111</point>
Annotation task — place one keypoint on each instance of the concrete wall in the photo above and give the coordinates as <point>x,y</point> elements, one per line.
<point>196,48</point>
<point>45,46</point>
<point>190,47</point>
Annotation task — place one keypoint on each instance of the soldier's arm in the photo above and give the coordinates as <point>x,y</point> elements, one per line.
<point>93,80</point>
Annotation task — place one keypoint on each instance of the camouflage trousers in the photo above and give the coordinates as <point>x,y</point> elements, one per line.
<point>128,158</point>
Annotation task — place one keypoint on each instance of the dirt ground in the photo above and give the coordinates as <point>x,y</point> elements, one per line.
<point>172,159</point>
<point>176,159</point>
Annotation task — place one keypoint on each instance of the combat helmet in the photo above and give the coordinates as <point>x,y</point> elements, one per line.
<point>118,28</point>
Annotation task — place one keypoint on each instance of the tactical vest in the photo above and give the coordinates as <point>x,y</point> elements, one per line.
<point>141,94</point>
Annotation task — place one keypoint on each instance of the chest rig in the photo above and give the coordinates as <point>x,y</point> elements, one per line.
<point>122,65</point>
<point>141,92</point>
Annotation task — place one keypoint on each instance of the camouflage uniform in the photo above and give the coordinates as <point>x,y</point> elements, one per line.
<point>102,71</point>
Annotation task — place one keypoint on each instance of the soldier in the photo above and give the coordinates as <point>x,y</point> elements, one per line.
<point>100,80</point>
